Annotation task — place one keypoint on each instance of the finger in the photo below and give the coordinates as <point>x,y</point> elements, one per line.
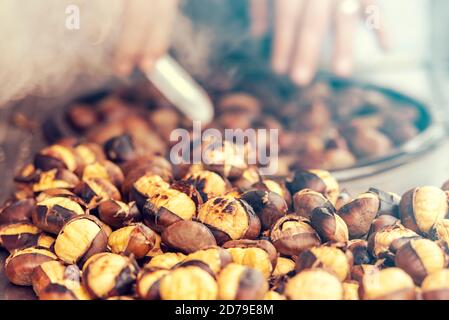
<point>157,40</point>
<point>259,17</point>
<point>346,19</point>
<point>374,20</point>
<point>287,13</point>
<point>131,36</point>
<point>315,21</point>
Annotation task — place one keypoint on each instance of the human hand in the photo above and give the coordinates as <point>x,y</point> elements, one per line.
<point>145,34</point>
<point>300,27</point>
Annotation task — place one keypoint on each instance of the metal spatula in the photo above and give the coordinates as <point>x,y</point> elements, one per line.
<point>181,89</point>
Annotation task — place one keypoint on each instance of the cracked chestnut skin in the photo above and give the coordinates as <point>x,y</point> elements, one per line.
<point>209,184</point>
<point>419,258</point>
<point>188,236</point>
<point>387,284</point>
<point>360,252</point>
<point>79,239</point>
<point>317,180</point>
<point>359,214</point>
<point>389,202</point>
<point>148,281</point>
<point>307,200</point>
<point>257,254</point>
<point>56,157</point>
<point>95,190</point>
<point>229,219</point>
<point>314,284</point>
<point>325,257</point>
<point>117,214</point>
<point>216,258</point>
<point>165,260</point>
<point>167,206</point>
<point>379,243</point>
<point>52,214</point>
<point>60,291</point>
<point>291,235</point>
<point>19,266</point>
<point>421,208</point>
<point>188,283</point>
<point>268,206</point>
<point>329,225</point>
<point>382,222</point>
<point>17,211</point>
<point>55,179</point>
<point>18,236</point>
<point>103,169</point>
<point>136,239</point>
<point>55,272</point>
<point>107,274</point>
<point>146,186</point>
<point>239,282</point>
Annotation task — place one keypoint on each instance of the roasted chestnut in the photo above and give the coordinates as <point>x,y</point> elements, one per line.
<point>329,225</point>
<point>422,207</point>
<point>19,266</point>
<point>216,258</point>
<point>167,206</point>
<point>120,149</point>
<point>382,222</point>
<point>188,283</point>
<point>317,180</point>
<point>360,213</point>
<point>79,239</point>
<point>283,266</point>
<point>148,281</point>
<point>379,242</point>
<point>52,214</point>
<point>165,260</point>
<point>419,258</point>
<point>117,214</point>
<point>55,272</point>
<point>268,206</point>
<point>209,184</point>
<point>315,284</point>
<point>292,235</point>
<point>329,258</point>
<point>107,274</point>
<point>238,282</point>
<point>95,190</point>
<point>360,253</point>
<point>18,236</point>
<point>307,200</point>
<point>387,284</point>
<point>350,290</point>
<point>436,286</point>
<point>229,219</point>
<point>257,254</point>
<point>188,236</point>
<point>17,211</point>
<point>136,239</point>
<point>56,157</point>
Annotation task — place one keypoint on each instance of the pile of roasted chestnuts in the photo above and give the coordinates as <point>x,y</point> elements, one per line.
<point>319,127</point>
<point>91,221</point>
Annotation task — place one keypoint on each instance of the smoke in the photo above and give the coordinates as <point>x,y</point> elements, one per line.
<point>40,55</point>
<point>193,46</point>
